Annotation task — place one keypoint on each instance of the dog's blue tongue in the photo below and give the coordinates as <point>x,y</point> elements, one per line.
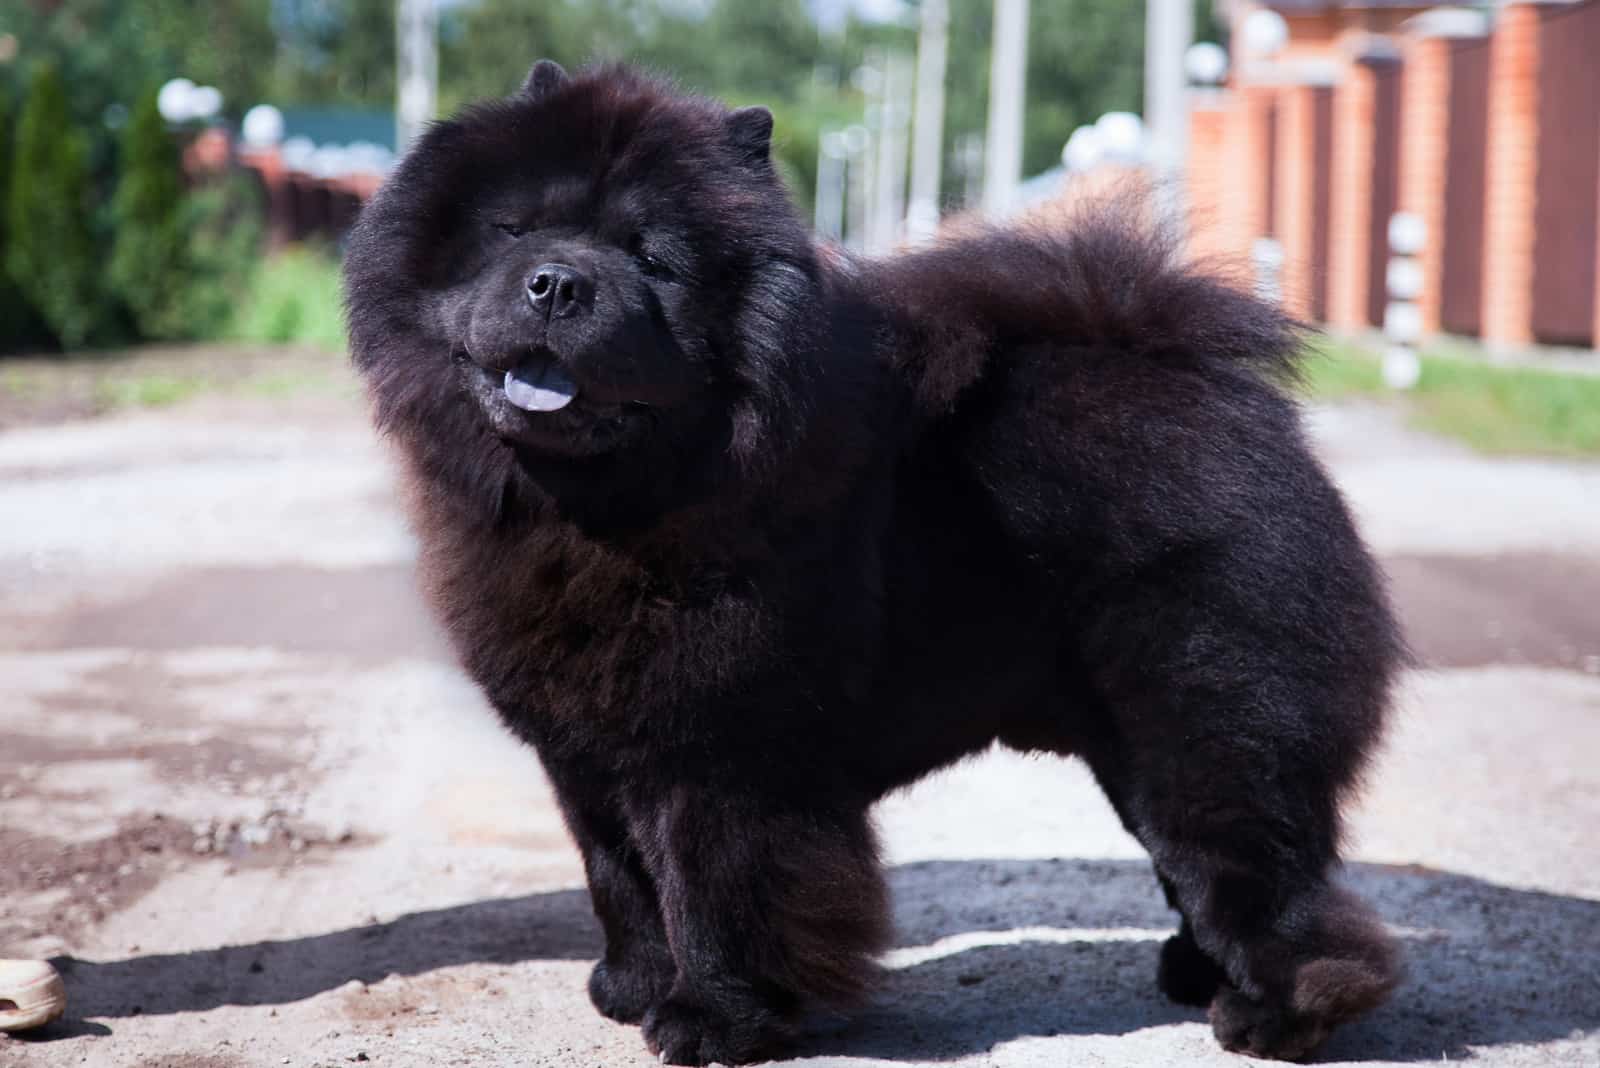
<point>539,385</point>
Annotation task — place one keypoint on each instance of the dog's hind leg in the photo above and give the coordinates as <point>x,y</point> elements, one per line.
<point>1228,748</point>
<point>1185,974</point>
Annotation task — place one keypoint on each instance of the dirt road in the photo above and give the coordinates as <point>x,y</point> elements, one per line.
<point>250,805</point>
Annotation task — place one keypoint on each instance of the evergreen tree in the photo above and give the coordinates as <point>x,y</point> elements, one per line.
<point>50,250</point>
<point>20,327</point>
<point>149,268</point>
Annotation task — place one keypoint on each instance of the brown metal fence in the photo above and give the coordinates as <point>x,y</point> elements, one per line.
<point>1461,268</point>
<point>1566,205</point>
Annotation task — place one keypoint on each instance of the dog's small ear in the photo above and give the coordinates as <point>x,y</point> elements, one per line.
<point>545,78</point>
<point>750,130</point>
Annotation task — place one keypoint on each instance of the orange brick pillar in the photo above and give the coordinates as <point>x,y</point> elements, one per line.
<point>1205,172</point>
<point>1444,101</point>
<point>1300,203</point>
<point>1365,176</point>
<point>1512,156</point>
<point>1246,200</point>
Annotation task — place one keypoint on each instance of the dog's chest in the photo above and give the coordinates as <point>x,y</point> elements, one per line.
<point>556,628</point>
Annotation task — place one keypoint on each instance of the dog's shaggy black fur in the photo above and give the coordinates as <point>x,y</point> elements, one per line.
<point>810,529</point>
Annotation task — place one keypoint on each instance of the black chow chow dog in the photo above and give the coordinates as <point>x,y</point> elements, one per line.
<point>741,536</point>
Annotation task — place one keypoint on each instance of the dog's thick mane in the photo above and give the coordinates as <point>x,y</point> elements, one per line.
<point>1107,274</point>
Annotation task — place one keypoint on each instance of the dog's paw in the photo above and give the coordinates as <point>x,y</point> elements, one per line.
<point>682,1032</point>
<point>1185,974</point>
<point>1262,1029</point>
<point>625,992</point>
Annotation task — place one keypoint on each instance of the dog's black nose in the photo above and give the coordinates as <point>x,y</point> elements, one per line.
<point>557,290</point>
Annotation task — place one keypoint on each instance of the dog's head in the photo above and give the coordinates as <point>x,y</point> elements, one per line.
<point>591,267</point>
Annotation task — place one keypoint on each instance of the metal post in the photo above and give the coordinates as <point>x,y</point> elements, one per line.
<point>416,68</point>
<point>1168,33</point>
<point>1267,255</point>
<point>1008,68</point>
<point>1402,319</point>
<point>831,157</point>
<point>869,78</point>
<point>968,163</point>
<point>889,214</point>
<point>927,132</point>
<point>858,161</point>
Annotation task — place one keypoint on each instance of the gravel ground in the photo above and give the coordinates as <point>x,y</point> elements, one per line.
<point>257,815</point>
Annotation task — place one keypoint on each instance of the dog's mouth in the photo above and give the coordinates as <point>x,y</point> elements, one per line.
<point>539,384</point>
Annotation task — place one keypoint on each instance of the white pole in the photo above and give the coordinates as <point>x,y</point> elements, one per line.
<point>416,68</point>
<point>864,166</point>
<point>858,161</point>
<point>927,132</point>
<point>891,173</point>
<point>1008,68</point>
<point>1168,33</point>
<point>1402,319</point>
<point>831,157</point>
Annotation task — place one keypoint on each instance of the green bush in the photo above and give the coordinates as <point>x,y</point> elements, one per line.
<point>148,268</point>
<point>50,250</point>
<point>223,223</point>
<point>182,259</point>
<point>295,298</point>
<point>20,327</point>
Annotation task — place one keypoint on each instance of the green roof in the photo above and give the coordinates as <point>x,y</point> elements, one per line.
<point>340,126</point>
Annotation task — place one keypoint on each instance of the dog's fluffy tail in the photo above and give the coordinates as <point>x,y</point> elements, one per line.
<point>1104,276</point>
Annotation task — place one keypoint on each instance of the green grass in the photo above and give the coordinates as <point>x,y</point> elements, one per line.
<point>148,391</point>
<point>1492,408</point>
<point>295,298</point>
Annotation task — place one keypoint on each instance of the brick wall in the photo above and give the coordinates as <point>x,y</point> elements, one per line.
<point>1205,175</point>
<point>1424,155</point>
<point>1511,164</point>
<point>1543,161</point>
<point>1564,211</point>
<point>1247,192</point>
<point>1304,143</point>
<point>1444,98</point>
<point>1365,176</point>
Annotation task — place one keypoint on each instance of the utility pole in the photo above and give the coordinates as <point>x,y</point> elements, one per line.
<point>866,155</point>
<point>890,212</point>
<point>829,208</point>
<point>1008,68</point>
<point>1168,33</point>
<point>927,129</point>
<point>858,156</point>
<point>416,25</point>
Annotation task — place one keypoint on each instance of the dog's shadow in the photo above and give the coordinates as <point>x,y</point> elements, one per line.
<point>990,951</point>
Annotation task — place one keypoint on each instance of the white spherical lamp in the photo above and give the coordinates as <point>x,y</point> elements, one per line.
<point>1121,136</point>
<point>1082,151</point>
<point>175,100</point>
<point>262,126</point>
<point>1265,33</point>
<point>205,102</point>
<point>1205,63</point>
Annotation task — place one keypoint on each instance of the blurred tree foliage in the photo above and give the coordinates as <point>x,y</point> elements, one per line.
<point>180,257</point>
<point>50,251</point>
<point>20,325</point>
<point>148,259</point>
<point>1085,57</point>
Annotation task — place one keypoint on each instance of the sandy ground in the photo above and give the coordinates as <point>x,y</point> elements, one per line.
<point>259,818</point>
